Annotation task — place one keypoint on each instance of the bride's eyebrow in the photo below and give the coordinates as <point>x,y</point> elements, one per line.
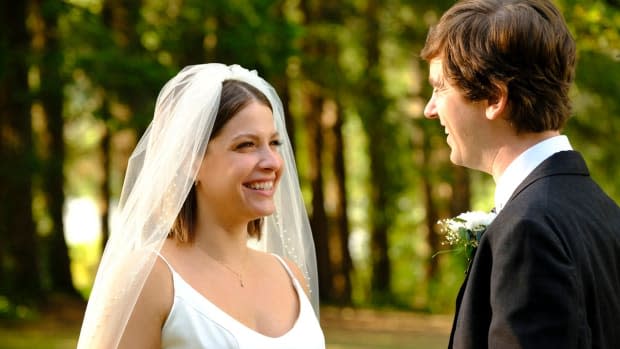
<point>251,135</point>
<point>244,135</point>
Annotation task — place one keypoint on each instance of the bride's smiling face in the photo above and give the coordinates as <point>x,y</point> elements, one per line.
<point>242,166</point>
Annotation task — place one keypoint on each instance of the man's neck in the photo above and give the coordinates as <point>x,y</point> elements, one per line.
<point>510,150</point>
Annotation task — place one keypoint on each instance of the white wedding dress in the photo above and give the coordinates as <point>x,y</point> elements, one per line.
<point>195,322</point>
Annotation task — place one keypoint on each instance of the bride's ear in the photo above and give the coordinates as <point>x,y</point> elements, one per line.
<point>496,105</point>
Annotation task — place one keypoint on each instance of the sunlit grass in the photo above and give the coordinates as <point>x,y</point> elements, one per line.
<point>356,339</point>
<point>35,339</point>
<point>344,329</point>
<point>336,339</point>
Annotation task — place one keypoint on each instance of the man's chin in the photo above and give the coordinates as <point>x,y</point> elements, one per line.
<point>456,159</point>
<point>459,161</point>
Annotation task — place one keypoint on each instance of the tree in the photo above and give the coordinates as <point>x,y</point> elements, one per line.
<point>382,184</point>
<point>595,96</point>
<point>340,254</point>
<point>20,263</point>
<point>51,97</point>
<point>319,87</point>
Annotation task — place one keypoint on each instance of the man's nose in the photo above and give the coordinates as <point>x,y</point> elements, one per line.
<point>430,110</point>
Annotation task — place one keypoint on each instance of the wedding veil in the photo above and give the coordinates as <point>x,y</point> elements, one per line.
<point>160,172</point>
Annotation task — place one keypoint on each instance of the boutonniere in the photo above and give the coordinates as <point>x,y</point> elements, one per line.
<point>464,231</point>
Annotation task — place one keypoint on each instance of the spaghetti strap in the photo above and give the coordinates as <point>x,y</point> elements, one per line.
<point>166,261</point>
<point>286,267</point>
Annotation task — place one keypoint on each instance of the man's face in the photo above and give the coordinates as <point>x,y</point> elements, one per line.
<point>462,119</point>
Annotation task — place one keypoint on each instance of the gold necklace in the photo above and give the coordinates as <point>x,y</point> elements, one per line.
<point>238,274</point>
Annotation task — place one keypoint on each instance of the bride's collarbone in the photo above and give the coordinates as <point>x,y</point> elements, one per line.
<point>267,303</point>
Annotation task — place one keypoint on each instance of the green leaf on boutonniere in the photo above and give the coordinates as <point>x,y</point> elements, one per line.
<point>464,231</point>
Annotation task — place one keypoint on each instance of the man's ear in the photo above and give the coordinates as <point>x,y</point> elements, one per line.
<point>496,105</point>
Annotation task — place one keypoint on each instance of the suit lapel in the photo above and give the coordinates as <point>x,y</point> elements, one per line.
<point>560,163</point>
<point>459,297</point>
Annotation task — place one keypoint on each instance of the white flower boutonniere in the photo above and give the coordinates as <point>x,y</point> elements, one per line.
<point>465,230</point>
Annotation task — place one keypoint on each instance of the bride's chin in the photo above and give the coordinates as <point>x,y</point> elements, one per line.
<point>264,212</point>
<point>267,213</point>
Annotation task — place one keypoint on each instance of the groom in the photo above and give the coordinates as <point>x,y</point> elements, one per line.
<point>546,273</point>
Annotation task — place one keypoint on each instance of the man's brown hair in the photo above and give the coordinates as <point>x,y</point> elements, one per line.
<point>523,46</point>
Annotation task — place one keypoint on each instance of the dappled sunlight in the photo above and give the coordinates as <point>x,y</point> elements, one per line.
<point>82,222</point>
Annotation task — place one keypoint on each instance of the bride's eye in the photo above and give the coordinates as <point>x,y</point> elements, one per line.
<point>276,143</point>
<point>245,145</point>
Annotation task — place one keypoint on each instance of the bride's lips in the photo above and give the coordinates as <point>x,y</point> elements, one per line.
<point>261,186</point>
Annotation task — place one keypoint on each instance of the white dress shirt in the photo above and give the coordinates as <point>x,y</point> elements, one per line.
<point>524,164</point>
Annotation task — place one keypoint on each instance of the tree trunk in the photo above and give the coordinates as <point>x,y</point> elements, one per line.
<point>343,276</point>
<point>461,197</point>
<point>104,186</point>
<point>381,268</point>
<point>280,84</point>
<point>318,219</point>
<point>16,155</point>
<point>120,17</point>
<point>314,48</point>
<point>432,239</point>
<point>375,126</point>
<point>59,263</point>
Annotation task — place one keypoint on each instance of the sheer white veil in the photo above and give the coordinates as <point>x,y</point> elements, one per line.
<point>160,173</point>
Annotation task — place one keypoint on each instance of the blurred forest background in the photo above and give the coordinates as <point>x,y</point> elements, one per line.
<point>78,84</point>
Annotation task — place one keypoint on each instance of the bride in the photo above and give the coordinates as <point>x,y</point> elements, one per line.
<point>213,247</point>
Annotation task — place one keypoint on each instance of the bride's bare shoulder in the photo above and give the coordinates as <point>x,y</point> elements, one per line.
<point>151,308</point>
<point>276,265</point>
<point>158,290</point>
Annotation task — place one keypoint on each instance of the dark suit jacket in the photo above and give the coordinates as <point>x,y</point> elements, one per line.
<point>546,273</point>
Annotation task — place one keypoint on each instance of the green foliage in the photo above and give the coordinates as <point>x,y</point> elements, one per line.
<point>595,125</point>
<point>12,311</point>
<point>367,62</point>
<point>84,263</point>
<point>596,96</point>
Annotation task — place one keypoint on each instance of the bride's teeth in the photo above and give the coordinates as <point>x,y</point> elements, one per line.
<point>261,186</point>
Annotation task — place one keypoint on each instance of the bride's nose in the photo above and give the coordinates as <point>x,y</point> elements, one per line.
<point>270,159</point>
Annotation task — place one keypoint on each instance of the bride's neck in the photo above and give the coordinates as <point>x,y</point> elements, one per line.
<point>221,242</point>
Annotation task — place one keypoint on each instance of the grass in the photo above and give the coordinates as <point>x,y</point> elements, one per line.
<point>36,339</point>
<point>380,329</point>
<point>344,329</point>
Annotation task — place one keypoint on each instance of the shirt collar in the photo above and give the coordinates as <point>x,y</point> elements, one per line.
<point>524,164</point>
